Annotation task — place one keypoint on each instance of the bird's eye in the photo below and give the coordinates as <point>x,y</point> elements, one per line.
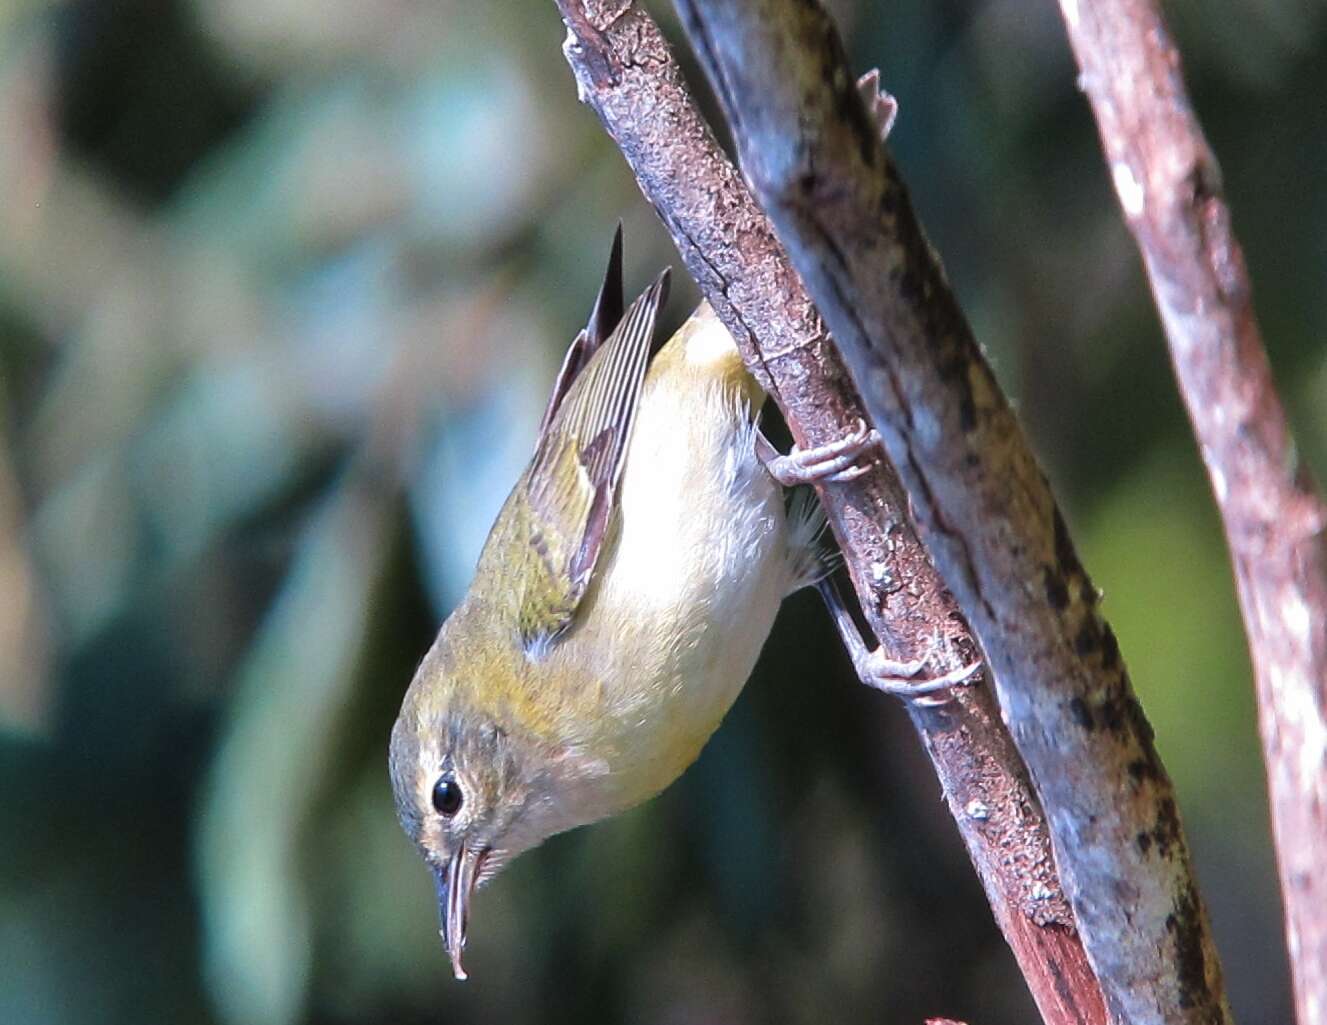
<point>447,797</point>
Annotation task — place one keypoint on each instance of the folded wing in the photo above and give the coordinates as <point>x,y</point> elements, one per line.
<point>554,527</point>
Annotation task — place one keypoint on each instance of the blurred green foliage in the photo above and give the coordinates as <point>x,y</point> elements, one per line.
<point>283,284</point>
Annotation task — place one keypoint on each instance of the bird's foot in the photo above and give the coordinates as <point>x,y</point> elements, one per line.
<point>900,678</point>
<point>834,463</point>
<point>893,676</point>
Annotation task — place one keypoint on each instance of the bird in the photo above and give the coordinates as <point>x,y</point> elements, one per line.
<point>619,604</point>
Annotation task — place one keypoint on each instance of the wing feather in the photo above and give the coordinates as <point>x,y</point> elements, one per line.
<point>604,317</point>
<point>559,515</point>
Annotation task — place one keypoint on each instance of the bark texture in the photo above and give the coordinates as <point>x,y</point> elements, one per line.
<point>625,72</point>
<point>1169,187</point>
<point>983,506</point>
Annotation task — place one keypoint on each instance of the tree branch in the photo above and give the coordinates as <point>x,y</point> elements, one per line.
<point>625,72</point>
<point>978,496</point>
<point>1170,189</point>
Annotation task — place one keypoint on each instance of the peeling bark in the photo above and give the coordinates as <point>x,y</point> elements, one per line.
<point>981,502</point>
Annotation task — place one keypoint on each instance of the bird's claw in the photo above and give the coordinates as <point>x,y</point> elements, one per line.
<point>900,678</point>
<point>836,462</point>
<point>893,676</point>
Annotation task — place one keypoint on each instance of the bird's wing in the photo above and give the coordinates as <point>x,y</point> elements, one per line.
<point>557,519</point>
<point>606,315</point>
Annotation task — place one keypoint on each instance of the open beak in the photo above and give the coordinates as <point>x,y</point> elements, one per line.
<point>455,883</point>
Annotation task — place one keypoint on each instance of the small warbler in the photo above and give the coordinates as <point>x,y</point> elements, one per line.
<point>619,603</point>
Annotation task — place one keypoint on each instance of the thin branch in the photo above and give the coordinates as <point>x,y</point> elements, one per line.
<point>1170,189</point>
<point>625,72</point>
<point>978,496</point>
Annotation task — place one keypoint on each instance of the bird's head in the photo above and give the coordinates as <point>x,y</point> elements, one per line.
<point>475,786</point>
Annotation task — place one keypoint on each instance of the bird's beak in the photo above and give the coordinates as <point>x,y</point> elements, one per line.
<point>456,883</point>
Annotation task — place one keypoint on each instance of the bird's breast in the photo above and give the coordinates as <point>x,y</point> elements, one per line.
<point>692,579</point>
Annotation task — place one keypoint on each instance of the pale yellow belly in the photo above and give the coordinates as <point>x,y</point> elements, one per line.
<point>688,591</point>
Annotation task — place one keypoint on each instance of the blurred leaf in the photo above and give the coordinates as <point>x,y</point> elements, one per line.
<point>279,741</point>
<point>25,671</point>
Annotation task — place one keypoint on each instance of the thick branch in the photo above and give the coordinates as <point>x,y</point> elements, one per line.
<point>626,73</point>
<point>984,507</point>
<point>1170,189</point>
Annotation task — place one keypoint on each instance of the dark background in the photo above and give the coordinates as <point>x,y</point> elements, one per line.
<point>283,285</point>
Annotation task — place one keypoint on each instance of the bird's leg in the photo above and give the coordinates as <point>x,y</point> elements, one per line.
<point>833,463</point>
<point>887,674</point>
